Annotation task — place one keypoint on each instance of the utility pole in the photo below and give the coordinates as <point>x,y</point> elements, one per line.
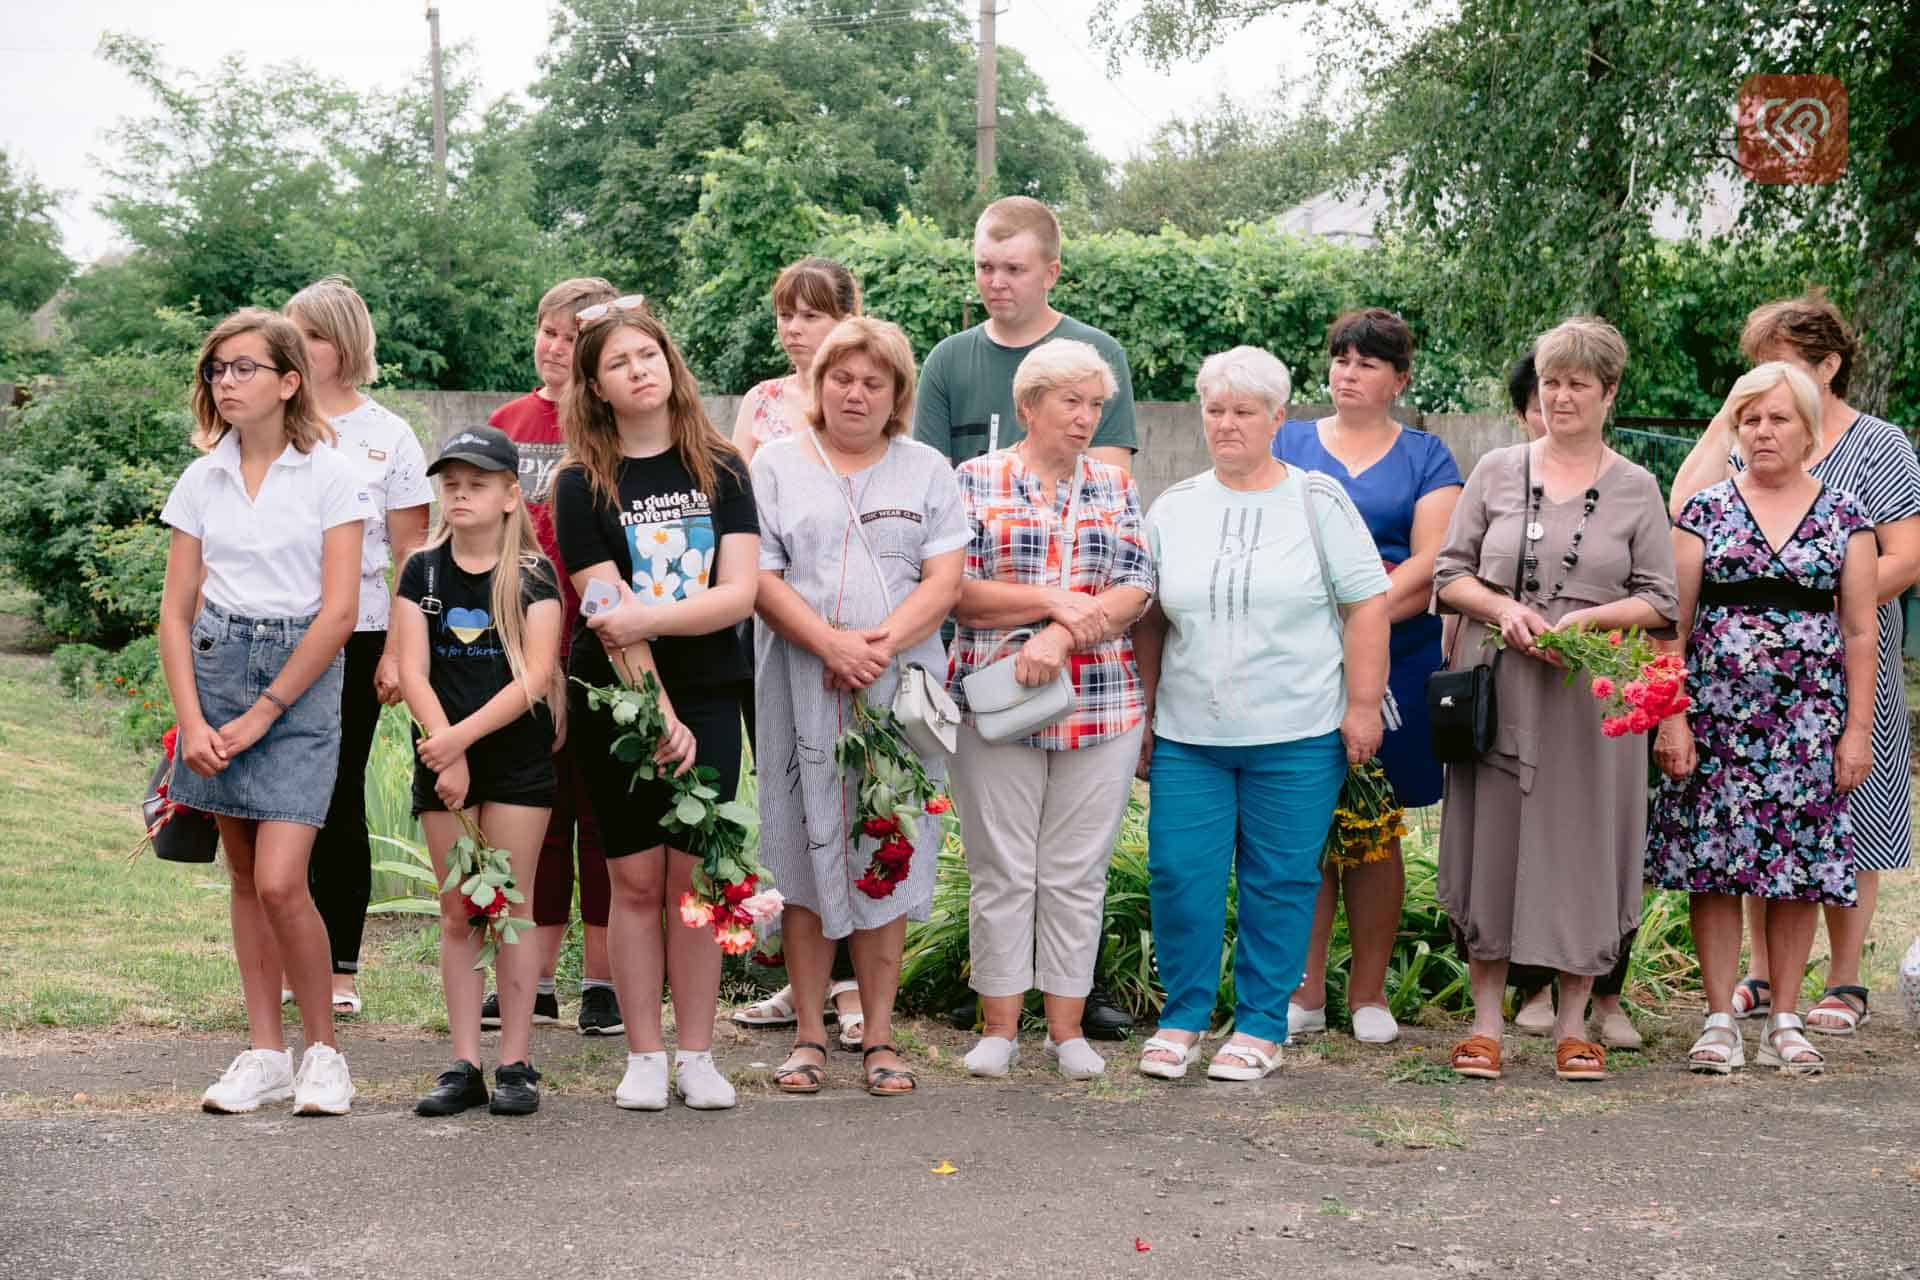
<point>439,106</point>
<point>986,100</point>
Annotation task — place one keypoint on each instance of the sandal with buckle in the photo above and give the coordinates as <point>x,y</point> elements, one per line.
<point>853,1026</point>
<point>1483,1047</point>
<point>775,1011</point>
<point>878,1076</point>
<point>1573,1049</point>
<point>808,1073</point>
<point>1753,998</point>
<point>1838,1003</point>
<point>1784,1045</point>
<point>1719,1050</point>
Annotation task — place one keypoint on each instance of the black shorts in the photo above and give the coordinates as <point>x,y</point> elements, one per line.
<point>628,813</point>
<point>489,782</point>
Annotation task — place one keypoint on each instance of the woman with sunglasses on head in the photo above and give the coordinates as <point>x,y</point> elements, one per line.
<point>651,500</point>
<point>267,530</point>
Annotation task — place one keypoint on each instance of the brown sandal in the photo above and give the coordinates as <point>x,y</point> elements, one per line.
<point>808,1074</point>
<point>1572,1049</point>
<point>1477,1047</point>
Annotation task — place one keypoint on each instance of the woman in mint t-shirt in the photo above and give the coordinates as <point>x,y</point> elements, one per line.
<point>1259,704</point>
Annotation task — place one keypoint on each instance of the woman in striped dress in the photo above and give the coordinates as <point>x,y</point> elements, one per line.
<point>1874,461</point>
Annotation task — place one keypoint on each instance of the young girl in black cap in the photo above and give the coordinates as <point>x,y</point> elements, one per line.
<point>477,625</point>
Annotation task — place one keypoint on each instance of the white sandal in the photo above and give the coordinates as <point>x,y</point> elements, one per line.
<point>853,1026</point>
<point>1265,1062</point>
<point>1784,1045</point>
<point>1187,1053</point>
<point>1720,1037</point>
<point>775,1011</point>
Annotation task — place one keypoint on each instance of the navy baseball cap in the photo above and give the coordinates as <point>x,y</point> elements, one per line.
<point>485,447</point>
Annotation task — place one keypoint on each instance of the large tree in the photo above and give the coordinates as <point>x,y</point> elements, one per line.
<point>635,92</point>
<point>32,265</point>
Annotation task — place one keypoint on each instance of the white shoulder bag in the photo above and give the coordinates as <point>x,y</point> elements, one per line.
<point>1003,708</point>
<point>929,718</point>
<point>1389,705</point>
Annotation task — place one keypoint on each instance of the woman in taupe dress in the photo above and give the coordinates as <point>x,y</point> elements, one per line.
<point>1542,839</point>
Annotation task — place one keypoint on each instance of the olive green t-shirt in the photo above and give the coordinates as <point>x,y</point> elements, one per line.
<point>968,378</point>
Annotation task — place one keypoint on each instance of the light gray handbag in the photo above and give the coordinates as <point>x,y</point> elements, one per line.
<point>927,714</point>
<point>1003,708</point>
<point>1389,705</point>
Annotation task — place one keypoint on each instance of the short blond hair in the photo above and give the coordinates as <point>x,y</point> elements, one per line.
<point>1586,343</point>
<point>1009,216</point>
<point>577,294</point>
<point>1761,379</point>
<point>881,341</point>
<point>1247,371</point>
<point>336,309</point>
<point>1057,363</point>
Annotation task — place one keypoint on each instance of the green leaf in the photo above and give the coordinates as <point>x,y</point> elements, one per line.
<point>690,811</point>
<point>404,907</point>
<point>408,871</point>
<point>740,813</point>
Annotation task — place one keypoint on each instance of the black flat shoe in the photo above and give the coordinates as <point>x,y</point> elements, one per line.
<point>457,1088</point>
<point>516,1090</point>
<point>1103,1018</point>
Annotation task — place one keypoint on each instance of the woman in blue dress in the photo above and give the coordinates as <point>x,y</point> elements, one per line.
<point>1405,483</point>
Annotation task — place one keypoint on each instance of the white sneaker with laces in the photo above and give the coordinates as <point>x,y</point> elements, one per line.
<point>322,1086</point>
<point>700,1083</point>
<point>644,1087</point>
<point>254,1077</point>
<point>1078,1060</point>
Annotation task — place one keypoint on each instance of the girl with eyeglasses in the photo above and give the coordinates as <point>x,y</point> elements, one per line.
<point>262,589</point>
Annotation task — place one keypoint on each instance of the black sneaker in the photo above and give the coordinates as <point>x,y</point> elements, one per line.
<point>454,1090</point>
<point>516,1090</point>
<point>600,1012</point>
<point>1104,1019</point>
<point>546,1009</point>
<point>490,1012</point>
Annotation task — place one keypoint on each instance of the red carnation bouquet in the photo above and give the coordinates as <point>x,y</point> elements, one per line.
<point>1636,687</point>
<point>484,876</point>
<point>894,792</point>
<point>731,892</point>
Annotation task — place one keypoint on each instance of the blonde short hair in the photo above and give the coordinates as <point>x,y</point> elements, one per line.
<point>1586,343</point>
<point>577,294</point>
<point>1009,216</point>
<point>1247,371</point>
<point>881,341</point>
<point>1761,379</point>
<point>1058,363</point>
<point>336,309</point>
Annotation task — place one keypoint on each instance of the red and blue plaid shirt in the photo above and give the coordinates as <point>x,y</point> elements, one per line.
<point>1017,538</point>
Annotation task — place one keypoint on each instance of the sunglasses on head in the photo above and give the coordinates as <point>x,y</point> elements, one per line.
<point>601,310</point>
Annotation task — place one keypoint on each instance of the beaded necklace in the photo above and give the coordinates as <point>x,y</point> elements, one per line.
<point>1536,531</point>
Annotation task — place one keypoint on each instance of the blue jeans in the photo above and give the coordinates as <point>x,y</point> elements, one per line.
<point>1259,813</point>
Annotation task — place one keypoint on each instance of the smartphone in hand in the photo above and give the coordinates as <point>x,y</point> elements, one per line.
<point>599,596</point>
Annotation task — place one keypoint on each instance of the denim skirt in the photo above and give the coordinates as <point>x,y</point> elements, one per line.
<point>288,775</point>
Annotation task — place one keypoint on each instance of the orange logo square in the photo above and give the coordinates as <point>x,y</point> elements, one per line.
<point>1792,129</point>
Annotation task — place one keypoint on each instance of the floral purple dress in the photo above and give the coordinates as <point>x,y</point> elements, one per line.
<point>1760,816</point>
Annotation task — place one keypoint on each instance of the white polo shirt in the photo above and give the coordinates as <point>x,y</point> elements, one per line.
<point>262,554</point>
<point>393,470</point>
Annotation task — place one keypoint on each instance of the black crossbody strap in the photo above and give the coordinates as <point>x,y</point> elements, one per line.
<point>1520,555</point>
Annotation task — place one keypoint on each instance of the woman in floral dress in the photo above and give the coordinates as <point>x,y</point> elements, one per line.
<point>1776,578</point>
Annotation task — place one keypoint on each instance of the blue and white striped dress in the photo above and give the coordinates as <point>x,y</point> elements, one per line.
<point>1875,462</point>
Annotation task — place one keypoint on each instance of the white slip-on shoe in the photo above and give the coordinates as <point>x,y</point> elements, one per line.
<point>1374,1025</point>
<point>1078,1059</point>
<point>993,1056</point>
<point>700,1083</point>
<point>255,1077</point>
<point>1302,1022</point>
<point>644,1087</point>
<point>322,1086</point>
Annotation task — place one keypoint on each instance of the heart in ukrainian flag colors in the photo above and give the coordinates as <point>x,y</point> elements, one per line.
<point>468,625</point>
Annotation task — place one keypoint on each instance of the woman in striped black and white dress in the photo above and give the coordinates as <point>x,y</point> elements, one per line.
<point>1874,461</point>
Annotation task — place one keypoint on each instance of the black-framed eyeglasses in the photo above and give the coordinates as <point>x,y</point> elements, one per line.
<point>243,369</point>
<point>601,310</point>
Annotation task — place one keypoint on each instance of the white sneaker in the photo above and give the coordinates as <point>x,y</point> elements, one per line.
<point>700,1083</point>
<point>1374,1025</point>
<point>644,1087</point>
<point>1077,1058</point>
<point>254,1077</point>
<point>322,1086</point>
<point>993,1056</point>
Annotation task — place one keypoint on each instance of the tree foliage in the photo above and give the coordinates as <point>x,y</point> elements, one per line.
<point>32,265</point>
<point>634,93</point>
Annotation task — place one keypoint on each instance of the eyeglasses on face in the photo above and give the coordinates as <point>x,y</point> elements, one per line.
<point>601,310</point>
<point>242,369</point>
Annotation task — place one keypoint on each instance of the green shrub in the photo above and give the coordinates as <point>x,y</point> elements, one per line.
<point>130,681</point>
<point>73,668</point>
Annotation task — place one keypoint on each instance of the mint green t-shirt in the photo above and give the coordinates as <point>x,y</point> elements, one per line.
<point>1252,655</point>
<point>968,378</point>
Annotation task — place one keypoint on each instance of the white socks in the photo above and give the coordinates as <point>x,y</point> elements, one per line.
<point>993,1056</point>
<point>1077,1059</point>
<point>697,1080</point>
<point>644,1087</point>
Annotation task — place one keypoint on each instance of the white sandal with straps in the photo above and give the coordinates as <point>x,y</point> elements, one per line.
<point>1223,1069</point>
<point>1785,1046</point>
<point>1721,1038</point>
<point>775,1011</point>
<point>1187,1053</point>
<point>853,1026</point>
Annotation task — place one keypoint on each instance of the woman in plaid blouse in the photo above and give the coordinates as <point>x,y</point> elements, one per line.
<point>1038,815</point>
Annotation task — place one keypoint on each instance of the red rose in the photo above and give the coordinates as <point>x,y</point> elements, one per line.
<point>773,961</point>
<point>873,886</point>
<point>1639,720</point>
<point>881,828</point>
<point>939,805</point>
<point>738,893</point>
<point>894,853</point>
<point>167,739</point>
<point>1614,726</point>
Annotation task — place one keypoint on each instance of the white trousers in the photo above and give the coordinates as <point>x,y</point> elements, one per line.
<point>1039,828</point>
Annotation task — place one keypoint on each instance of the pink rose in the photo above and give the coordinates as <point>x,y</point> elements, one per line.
<point>1640,720</point>
<point>1602,688</point>
<point>694,913</point>
<point>1634,693</point>
<point>1614,726</point>
<point>735,939</point>
<point>764,905</point>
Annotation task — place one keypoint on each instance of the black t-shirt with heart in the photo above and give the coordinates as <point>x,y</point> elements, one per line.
<point>467,665</point>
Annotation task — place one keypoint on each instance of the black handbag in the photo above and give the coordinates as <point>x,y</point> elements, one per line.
<point>177,833</point>
<point>1463,707</point>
